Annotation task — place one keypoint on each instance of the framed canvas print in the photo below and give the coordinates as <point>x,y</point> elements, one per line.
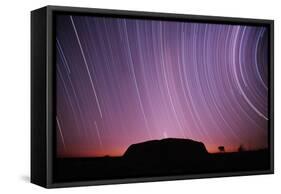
<point>125,96</point>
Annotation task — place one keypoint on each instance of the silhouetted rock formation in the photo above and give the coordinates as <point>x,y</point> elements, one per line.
<point>170,149</point>
<point>164,157</point>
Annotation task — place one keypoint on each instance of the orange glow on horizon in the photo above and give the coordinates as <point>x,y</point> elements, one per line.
<point>118,152</point>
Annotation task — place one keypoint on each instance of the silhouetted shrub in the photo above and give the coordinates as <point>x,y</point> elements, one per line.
<point>241,148</point>
<point>221,148</point>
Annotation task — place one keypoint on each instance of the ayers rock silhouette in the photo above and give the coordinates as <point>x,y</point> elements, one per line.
<point>170,149</point>
<point>164,157</point>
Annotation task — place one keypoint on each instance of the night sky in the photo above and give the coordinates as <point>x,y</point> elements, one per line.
<point>124,81</point>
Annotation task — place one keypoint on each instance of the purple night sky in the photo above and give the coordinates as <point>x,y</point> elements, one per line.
<point>124,81</point>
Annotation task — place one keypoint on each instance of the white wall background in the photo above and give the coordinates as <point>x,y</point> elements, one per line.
<point>15,94</point>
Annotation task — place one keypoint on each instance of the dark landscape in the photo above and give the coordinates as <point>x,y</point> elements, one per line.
<point>164,157</point>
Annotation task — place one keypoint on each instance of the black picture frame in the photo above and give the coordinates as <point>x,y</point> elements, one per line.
<point>43,84</point>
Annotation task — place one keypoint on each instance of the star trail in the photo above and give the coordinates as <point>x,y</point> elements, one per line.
<point>121,81</point>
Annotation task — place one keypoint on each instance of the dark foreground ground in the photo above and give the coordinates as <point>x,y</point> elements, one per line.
<point>82,169</point>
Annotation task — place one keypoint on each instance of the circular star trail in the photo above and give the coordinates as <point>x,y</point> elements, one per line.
<point>123,81</point>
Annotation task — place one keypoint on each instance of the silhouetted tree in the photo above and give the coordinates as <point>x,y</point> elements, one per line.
<point>241,148</point>
<point>221,148</point>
